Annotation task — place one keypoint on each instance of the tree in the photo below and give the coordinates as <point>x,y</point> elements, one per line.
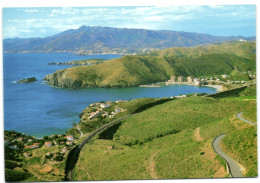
<point>45,138</point>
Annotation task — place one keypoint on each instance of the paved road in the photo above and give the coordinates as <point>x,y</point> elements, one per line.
<point>235,169</point>
<point>242,119</point>
<point>74,153</point>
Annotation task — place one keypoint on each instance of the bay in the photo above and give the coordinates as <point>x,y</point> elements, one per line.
<point>38,109</point>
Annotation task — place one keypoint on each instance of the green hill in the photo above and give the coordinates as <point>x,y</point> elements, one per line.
<point>243,49</point>
<point>135,70</point>
<point>173,140</point>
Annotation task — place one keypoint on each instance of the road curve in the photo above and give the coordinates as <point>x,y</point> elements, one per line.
<point>242,119</point>
<point>74,153</point>
<point>234,168</point>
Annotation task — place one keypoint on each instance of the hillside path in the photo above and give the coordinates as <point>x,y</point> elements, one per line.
<point>81,133</point>
<point>197,134</point>
<point>152,166</point>
<point>242,119</point>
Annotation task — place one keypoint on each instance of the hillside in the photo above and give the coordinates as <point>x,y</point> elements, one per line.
<point>135,70</point>
<point>173,140</point>
<point>96,39</point>
<point>79,62</point>
<point>243,49</point>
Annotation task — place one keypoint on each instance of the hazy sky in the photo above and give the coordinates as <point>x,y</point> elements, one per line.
<point>226,20</point>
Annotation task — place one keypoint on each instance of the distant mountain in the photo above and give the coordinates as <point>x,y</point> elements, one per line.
<point>106,39</point>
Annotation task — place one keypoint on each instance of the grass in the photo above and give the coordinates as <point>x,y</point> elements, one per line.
<point>241,144</point>
<point>177,115</point>
<point>236,75</point>
<point>245,49</point>
<point>180,154</point>
<point>86,61</point>
<point>130,107</point>
<point>40,172</point>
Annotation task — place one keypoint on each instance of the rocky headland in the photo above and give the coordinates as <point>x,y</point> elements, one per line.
<point>27,80</point>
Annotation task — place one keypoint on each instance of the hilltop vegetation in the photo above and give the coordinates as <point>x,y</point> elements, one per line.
<point>79,62</point>
<point>243,49</point>
<point>136,70</point>
<point>173,140</point>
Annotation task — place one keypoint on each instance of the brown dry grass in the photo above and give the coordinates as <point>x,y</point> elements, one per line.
<point>46,169</point>
<point>152,166</point>
<point>197,135</point>
<point>211,156</point>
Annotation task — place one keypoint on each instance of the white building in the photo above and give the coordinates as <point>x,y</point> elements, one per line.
<point>70,137</point>
<point>104,105</point>
<point>224,76</point>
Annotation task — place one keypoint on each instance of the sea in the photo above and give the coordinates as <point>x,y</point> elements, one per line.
<point>41,110</point>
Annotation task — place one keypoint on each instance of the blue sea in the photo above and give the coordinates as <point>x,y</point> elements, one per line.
<point>38,109</point>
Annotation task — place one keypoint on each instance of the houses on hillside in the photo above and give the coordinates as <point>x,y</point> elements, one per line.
<point>102,110</point>
<point>70,137</point>
<point>204,81</point>
<point>48,144</point>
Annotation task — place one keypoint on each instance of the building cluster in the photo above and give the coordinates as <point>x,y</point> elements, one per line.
<point>200,81</point>
<point>25,143</point>
<point>103,109</point>
<point>100,48</point>
<point>187,80</point>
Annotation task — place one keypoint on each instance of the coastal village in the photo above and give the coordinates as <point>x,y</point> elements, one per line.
<point>203,81</point>
<point>101,110</point>
<point>211,81</point>
<point>100,48</point>
<point>56,146</point>
<point>22,143</point>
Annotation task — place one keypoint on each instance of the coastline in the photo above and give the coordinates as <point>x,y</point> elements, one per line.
<point>218,88</point>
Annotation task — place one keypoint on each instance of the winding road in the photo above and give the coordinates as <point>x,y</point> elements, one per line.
<point>234,168</point>
<point>74,153</point>
<point>242,119</point>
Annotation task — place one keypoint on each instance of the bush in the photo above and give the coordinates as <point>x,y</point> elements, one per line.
<point>15,175</point>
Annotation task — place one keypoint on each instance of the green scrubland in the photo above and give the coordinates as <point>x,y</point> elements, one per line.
<point>173,140</point>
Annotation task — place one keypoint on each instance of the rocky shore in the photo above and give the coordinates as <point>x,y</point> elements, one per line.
<point>27,80</point>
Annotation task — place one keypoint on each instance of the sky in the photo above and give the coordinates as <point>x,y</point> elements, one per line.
<point>220,20</point>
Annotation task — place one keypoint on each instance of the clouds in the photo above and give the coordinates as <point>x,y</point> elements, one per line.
<point>31,10</point>
<point>64,11</point>
<point>40,22</point>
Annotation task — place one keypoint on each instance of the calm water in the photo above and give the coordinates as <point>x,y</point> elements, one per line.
<point>38,109</point>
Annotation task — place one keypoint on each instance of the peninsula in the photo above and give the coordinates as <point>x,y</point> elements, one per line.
<point>228,58</point>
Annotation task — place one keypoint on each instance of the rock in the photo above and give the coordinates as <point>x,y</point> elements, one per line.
<point>59,79</point>
<point>28,80</point>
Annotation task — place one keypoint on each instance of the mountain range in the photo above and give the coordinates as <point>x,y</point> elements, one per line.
<point>98,38</point>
